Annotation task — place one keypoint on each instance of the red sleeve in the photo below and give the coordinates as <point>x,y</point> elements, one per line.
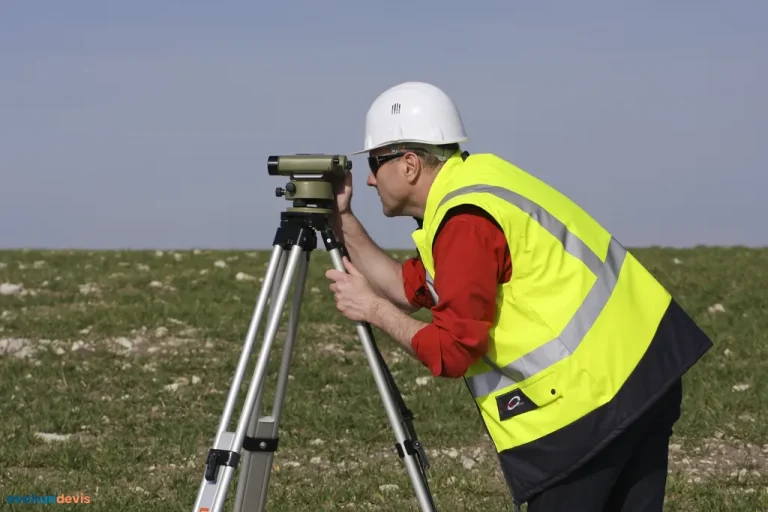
<point>415,283</point>
<point>471,259</point>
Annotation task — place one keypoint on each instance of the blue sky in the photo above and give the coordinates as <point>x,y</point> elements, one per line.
<point>148,124</point>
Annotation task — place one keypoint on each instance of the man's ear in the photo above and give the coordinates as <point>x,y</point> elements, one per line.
<point>413,167</point>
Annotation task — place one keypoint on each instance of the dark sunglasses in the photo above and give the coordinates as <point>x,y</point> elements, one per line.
<point>375,162</point>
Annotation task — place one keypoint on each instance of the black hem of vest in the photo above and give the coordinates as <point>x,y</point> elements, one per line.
<point>677,345</point>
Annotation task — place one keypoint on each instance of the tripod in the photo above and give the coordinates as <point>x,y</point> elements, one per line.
<point>256,435</point>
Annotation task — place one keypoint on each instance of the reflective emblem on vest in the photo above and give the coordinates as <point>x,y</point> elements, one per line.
<point>513,403</point>
<point>555,350</point>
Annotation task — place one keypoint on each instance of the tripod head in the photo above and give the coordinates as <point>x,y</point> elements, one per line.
<point>311,175</point>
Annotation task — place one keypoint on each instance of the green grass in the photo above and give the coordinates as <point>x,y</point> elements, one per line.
<point>136,445</point>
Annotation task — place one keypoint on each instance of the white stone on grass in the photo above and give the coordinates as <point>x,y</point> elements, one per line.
<point>716,308</point>
<point>50,437</point>
<point>125,343</point>
<point>11,289</point>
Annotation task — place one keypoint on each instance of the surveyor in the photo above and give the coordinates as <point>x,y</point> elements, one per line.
<point>572,351</point>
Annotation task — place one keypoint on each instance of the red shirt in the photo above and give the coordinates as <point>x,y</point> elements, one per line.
<point>471,259</point>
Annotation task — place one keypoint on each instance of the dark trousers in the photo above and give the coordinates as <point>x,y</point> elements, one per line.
<point>628,475</point>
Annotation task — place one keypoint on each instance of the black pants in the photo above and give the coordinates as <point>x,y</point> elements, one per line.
<point>629,475</point>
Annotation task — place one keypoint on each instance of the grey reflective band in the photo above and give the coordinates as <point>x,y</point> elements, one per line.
<point>431,286</point>
<point>607,273</point>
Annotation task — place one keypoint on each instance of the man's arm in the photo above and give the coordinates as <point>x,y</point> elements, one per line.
<point>383,272</point>
<point>400,326</point>
<point>471,259</point>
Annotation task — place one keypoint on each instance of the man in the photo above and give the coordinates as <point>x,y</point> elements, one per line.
<point>571,350</point>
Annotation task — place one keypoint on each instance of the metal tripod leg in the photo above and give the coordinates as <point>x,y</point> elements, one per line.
<point>254,477</point>
<point>409,455</point>
<point>245,457</point>
<point>223,458</point>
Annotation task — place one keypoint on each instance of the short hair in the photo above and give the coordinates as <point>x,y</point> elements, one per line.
<point>433,155</point>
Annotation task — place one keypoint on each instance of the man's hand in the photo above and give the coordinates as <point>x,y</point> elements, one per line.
<point>357,301</point>
<point>355,298</point>
<point>342,190</point>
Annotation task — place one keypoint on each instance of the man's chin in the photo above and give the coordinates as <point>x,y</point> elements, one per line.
<point>388,212</point>
<point>391,214</point>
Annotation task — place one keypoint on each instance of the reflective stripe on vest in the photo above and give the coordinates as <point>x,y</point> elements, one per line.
<point>607,273</point>
<point>431,286</point>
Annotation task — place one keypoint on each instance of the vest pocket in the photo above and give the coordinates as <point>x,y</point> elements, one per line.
<point>544,390</point>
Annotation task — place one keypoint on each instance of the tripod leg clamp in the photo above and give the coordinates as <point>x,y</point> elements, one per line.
<point>260,444</point>
<point>218,458</point>
<point>411,448</point>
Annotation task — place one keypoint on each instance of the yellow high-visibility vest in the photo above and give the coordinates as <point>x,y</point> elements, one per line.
<point>584,339</point>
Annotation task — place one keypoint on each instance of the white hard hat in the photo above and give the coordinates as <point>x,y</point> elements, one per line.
<point>412,112</point>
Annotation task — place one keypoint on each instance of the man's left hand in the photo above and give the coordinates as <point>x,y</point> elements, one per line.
<point>355,298</point>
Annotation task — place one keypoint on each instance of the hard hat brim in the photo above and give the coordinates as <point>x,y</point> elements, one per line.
<point>406,141</point>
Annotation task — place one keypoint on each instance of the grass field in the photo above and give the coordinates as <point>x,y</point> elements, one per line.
<point>128,355</point>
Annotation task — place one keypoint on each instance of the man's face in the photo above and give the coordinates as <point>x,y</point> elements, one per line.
<point>392,173</point>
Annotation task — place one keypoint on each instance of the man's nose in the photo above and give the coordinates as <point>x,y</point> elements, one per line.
<point>371,182</point>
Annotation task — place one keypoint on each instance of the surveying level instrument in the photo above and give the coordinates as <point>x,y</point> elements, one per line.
<point>253,444</point>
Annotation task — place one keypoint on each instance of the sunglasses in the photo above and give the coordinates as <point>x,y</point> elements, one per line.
<point>375,162</point>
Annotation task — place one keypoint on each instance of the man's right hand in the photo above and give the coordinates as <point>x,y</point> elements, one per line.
<point>381,270</point>
<point>342,189</point>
